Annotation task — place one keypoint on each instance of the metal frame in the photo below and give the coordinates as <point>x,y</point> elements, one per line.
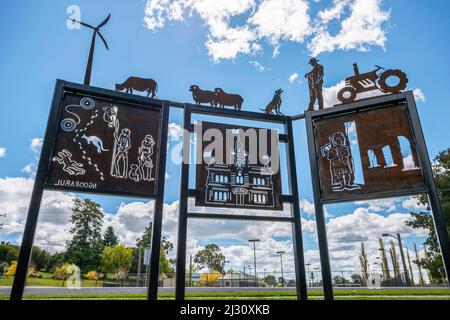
<point>185,193</point>
<point>43,169</point>
<point>123,98</point>
<point>408,99</point>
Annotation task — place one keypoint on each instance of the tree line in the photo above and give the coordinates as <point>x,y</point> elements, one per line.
<point>431,260</point>
<point>89,249</point>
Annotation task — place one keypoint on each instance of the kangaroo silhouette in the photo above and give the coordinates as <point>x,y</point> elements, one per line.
<point>96,142</point>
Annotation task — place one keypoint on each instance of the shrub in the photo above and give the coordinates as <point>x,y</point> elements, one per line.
<point>91,275</point>
<point>65,271</point>
<point>12,269</point>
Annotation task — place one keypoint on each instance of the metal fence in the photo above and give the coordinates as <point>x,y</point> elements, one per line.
<point>343,278</point>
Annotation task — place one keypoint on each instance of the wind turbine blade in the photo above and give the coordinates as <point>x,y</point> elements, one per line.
<point>86,25</point>
<point>103,39</point>
<point>104,22</point>
<point>82,23</point>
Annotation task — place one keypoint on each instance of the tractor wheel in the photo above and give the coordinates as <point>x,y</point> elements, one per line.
<point>385,87</point>
<point>347,95</point>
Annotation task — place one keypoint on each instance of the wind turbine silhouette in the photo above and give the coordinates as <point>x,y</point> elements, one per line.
<point>87,77</point>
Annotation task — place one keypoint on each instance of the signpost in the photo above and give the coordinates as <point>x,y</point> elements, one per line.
<point>104,142</point>
<point>369,149</point>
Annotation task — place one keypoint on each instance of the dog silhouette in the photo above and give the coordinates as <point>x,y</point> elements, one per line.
<point>275,104</point>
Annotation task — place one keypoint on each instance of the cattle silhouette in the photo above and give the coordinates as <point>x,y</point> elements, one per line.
<point>202,96</point>
<point>227,99</point>
<point>138,84</point>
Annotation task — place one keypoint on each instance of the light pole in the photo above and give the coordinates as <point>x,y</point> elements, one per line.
<point>307,271</point>
<point>254,241</point>
<point>190,270</point>
<point>227,261</point>
<point>405,270</point>
<point>380,262</point>
<point>245,277</point>
<point>139,266</point>
<point>281,264</point>
<point>317,273</point>
<point>249,267</point>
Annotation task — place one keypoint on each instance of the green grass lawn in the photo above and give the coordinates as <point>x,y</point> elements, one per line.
<point>427,294</point>
<point>47,281</point>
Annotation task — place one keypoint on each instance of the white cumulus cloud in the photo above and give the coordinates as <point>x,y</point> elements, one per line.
<point>378,205</point>
<point>36,144</point>
<point>258,66</point>
<point>419,95</point>
<point>28,169</point>
<point>276,20</point>
<point>361,24</point>
<point>413,204</point>
<point>2,152</point>
<point>175,131</point>
<point>330,94</point>
<point>362,29</point>
<point>293,77</point>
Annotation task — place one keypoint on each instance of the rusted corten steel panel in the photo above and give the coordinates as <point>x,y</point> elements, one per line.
<point>106,146</point>
<point>367,153</point>
<point>246,175</point>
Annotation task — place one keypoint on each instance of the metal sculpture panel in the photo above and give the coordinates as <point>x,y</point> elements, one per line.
<point>373,80</point>
<point>105,146</point>
<point>239,168</point>
<point>367,153</point>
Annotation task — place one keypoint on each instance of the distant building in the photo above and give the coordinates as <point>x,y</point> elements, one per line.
<point>239,183</point>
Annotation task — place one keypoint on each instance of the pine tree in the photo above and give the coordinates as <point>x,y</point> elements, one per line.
<point>109,238</point>
<point>85,248</point>
<point>364,264</point>
<point>424,220</point>
<point>146,239</point>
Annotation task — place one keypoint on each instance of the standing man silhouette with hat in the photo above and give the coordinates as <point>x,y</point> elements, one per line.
<point>315,82</point>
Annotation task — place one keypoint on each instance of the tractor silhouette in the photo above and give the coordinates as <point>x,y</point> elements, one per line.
<point>368,81</point>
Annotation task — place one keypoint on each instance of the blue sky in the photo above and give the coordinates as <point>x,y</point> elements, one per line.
<point>38,48</point>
